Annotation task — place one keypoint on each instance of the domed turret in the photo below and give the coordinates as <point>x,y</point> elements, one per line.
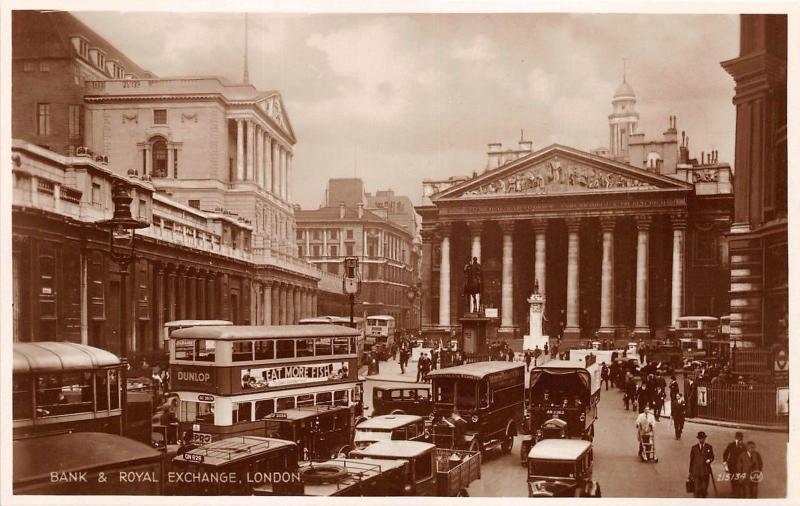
<point>624,92</point>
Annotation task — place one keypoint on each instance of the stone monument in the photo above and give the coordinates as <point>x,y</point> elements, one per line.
<point>534,337</point>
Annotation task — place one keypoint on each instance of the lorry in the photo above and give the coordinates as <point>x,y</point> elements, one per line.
<point>563,390</point>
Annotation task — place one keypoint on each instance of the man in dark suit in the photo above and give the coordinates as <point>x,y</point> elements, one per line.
<point>750,467</point>
<point>700,458</point>
<point>731,458</point>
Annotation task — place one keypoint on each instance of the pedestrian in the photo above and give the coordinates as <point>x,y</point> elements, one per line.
<point>629,398</point>
<point>678,413</point>
<point>536,354</point>
<point>700,458</point>
<point>604,374</point>
<point>527,360</point>
<point>403,359</point>
<point>643,397</point>
<point>645,427</point>
<point>659,397</point>
<point>434,357</point>
<point>394,351</point>
<point>420,365</point>
<point>510,354</point>
<point>731,459</point>
<point>674,389</point>
<point>750,468</point>
<point>546,349</point>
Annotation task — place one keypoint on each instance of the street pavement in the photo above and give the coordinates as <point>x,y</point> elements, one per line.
<point>617,466</point>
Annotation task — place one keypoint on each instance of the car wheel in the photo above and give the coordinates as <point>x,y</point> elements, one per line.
<point>397,412</point>
<point>507,443</point>
<point>342,452</point>
<point>474,445</point>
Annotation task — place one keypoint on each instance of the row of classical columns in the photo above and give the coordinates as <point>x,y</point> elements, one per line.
<point>263,158</point>
<point>280,303</point>
<point>607,225</point>
<point>185,293</point>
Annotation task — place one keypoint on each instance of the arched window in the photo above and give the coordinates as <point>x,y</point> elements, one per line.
<point>159,157</point>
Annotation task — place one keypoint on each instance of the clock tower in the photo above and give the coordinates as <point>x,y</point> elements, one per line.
<point>623,121</point>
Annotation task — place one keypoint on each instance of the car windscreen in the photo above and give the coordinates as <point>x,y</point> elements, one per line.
<point>553,468</point>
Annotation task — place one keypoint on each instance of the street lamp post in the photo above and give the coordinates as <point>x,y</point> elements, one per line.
<point>122,245</point>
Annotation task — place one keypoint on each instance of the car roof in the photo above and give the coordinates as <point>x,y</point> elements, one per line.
<point>399,449</point>
<point>357,471</point>
<point>54,356</point>
<point>559,449</point>
<point>197,323</point>
<point>36,457</point>
<point>306,412</point>
<point>228,450</point>
<point>388,421</point>
<point>234,332</point>
<point>476,370</point>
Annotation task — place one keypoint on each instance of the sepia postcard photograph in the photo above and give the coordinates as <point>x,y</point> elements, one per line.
<point>419,251</point>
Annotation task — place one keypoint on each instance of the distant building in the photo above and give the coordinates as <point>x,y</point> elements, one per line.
<point>759,283</point>
<point>623,240</point>
<point>386,247</point>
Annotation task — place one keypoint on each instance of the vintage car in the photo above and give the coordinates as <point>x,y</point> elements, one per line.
<point>320,431</point>
<point>231,466</point>
<point>561,468</point>
<point>431,471</point>
<point>478,405</point>
<point>390,428</point>
<point>395,400</point>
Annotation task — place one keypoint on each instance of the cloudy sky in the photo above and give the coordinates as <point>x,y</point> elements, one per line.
<point>397,98</point>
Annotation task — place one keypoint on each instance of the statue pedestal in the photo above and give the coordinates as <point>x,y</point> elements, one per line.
<point>473,333</point>
<point>534,338</point>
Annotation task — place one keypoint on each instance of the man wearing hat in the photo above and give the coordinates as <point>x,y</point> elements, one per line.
<point>645,426</point>
<point>700,459</point>
<point>731,458</point>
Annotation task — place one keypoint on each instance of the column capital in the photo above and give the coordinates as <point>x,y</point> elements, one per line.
<point>507,226</point>
<point>428,234</point>
<point>539,225</point>
<point>475,227</point>
<point>679,221</point>
<point>444,229</point>
<point>607,223</point>
<point>643,221</point>
<point>573,223</point>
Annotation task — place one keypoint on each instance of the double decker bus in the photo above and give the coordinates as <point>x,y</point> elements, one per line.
<point>357,324</point>
<point>380,331</point>
<point>229,380</point>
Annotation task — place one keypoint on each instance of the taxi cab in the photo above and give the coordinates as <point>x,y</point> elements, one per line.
<point>389,428</point>
<point>561,468</point>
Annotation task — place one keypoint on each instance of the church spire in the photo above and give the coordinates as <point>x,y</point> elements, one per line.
<point>246,73</point>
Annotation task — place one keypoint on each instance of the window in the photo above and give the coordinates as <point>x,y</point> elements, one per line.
<point>96,194</point>
<point>349,233</point>
<point>399,434</point>
<point>27,66</point>
<point>64,394</point>
<point>204,350</point>
<point>101,60</point>
<point>334,234</point>
<point>83,48</point>
<point>348,249</point>
<point>175,163</point>
<point>74,120</point>
<point>317,235</point>
<point>305,400</point>
<point>340,398</point>
<point>44,66</point>
<point>285,348</point>
<point>316,251</point>
<point>299,234</point>
<point>340,345</point>
<point>194,203</point>
<point>323,346</point>
<point>285,403</point>
<point>241,412</point>
<point>142,208</point>
<point>43,119</point>
<point>305,347</point>
<point>412,431</point>
<point>160,116</point>
<point>159,157</point>
<point>242,351</point>
<point>423,468</point>
<point>334,251</point>
<point>264,408</point>
<point>325,398</point>
<point>196,412</point>
<point>22,397</point>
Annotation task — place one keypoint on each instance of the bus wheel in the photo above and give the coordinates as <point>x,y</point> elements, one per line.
<point>474,445</point>
<point>463,493</point>
<point>397,412</point>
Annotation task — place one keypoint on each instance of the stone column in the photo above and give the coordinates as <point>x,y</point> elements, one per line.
<point>475,230</point>
<point>259,165</point>
<point>159,306</point>
<point>170,161</point>
<point>507,287</point>
<point>284,310</point>
<point>678,239</point>
<point>274,163</point>
<point>201,296</point>
<point>298,304</point>
<point>211,297</point>
<point>642,272</point>
<point>239,150</point>
<point>607,276</point>
<point>191,295</point>
<point>148,159</point>
<point>249,156</point>
<point>172,288</point>
<point>276,303</point>
<point>289,157</point>
<point>284,182</point>
<point>572,329</point>
<point>540,248</point>
<point>266,297</point>
<point>266,151</point>
<point>314,303</point>
<point>444,277</point>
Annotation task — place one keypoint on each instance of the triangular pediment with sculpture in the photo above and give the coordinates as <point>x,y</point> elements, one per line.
<point>559,170</point>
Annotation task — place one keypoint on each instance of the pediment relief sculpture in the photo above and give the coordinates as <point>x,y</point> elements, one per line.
<point>553,176</point>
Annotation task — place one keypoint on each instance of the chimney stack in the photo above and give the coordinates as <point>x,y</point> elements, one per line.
<point>495,153</point>
<point>342,210</point>
<point>360,210</point>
